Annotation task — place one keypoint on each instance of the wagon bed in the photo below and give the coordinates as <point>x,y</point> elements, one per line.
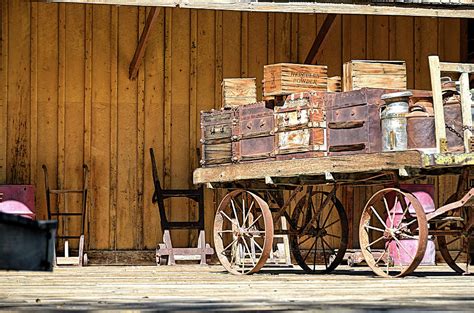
<point>395,228</point>
<point>407,163</point>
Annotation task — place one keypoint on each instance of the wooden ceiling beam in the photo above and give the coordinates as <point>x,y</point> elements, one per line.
<point>141,48</point>
<point>389,8</point>
<point>315,50</point>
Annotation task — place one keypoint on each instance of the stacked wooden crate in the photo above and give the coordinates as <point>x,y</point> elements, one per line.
<point>245,130</point>
<point>300,129</point>
<point>238,91</point>
<point>359,74</point>
<point>285,78</point>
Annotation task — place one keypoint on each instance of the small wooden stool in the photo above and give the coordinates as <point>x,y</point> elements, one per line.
<point>165,253</point>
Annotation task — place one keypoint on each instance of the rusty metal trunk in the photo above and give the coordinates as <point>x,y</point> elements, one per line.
<point>253,137</point>
<point>354,121</point>
<point>301,125</point>
<point>216,136</point>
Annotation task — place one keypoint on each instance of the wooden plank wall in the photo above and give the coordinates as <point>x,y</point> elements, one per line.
<point>66,98</point>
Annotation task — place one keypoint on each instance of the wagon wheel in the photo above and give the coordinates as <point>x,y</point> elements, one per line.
<point>395,221</point>
<point>243,232</point>
<point>460,224</point>
<point>320,247</point>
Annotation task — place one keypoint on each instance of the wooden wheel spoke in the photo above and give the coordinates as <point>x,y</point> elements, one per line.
<point>375,241</point>
<point>381,256</point>
<point>451,241</point>
<point>374,228</point>
<point>225,231</point>
<point>230,245</point>
<point>404,249</point>
<point>459,254</point>
<point>331,224</point>
<point>248,214</point>
<point>327,245</point>
<point>387,209</point>
<point>399,256</point>
<point>256,243</point>
<point>309,237</point>
<point>230,220</point>
<point>309,251</point>
<point>314,256</point>
<point>329,214</point>
<point>248,250</point>
<point>255,221</point>
<point>378,216</point>
<point>409,236</point>
<point>334,236</point>
<point>410,222</point>
<point>388,263</point>
<point>235,212</point>
<point>403,214</point>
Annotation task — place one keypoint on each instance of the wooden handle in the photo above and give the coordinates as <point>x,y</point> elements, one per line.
<point>346,124</point>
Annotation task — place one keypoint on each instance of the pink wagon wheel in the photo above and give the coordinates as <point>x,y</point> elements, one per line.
<point>393,233</point>
<point>243,232</point>
<point>457,248</point>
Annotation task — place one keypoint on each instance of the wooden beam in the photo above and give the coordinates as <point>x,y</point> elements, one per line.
<point>373,162</point>
<point>312,8</point>
<point>319,40</point>
<point>140,51</point>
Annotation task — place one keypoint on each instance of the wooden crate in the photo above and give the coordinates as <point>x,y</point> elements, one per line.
<point>358,74</point>
<point>286,78</point>
<point>334,84</point>
<point>238,91</point>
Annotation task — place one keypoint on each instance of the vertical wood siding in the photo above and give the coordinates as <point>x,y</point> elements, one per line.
<point>65,96</point>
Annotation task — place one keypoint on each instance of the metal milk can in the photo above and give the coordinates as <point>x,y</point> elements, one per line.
<point>421,128</point>
<point>394,121</point>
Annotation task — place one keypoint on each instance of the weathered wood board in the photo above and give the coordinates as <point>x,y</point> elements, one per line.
<point>66,98</point>
<point>210,288</point>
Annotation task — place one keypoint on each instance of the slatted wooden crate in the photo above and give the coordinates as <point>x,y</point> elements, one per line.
<point>286,78</point>
<point>334,84</point>
<point>358,74</point>
<point>238,91</point>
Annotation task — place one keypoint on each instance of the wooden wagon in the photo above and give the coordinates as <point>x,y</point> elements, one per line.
<point>249,215</point>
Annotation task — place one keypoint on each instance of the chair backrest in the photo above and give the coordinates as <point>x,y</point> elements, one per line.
<point>157,194</point>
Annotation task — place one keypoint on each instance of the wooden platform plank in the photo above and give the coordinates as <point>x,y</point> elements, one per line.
<point>210,288</point>
<point>314,166</point>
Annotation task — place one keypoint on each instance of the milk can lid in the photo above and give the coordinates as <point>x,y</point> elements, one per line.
<point>399,94</point>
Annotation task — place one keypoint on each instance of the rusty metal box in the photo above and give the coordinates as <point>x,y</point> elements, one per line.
<point>216,136</point>
<point>353,121</point>
<point>253,134</point>
<point>301,124</point>
<point>217,125</point>
<point>301,140</point>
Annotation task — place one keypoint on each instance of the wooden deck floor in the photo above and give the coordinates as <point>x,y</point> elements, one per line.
<point>209,288</point>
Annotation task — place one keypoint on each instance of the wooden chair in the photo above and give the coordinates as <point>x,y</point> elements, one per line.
<point>165,253</point>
